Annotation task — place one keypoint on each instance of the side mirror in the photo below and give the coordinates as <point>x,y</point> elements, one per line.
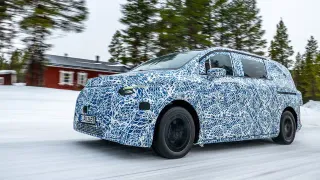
<point>217,72</point>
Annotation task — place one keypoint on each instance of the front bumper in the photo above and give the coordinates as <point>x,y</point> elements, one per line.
<point>118,118</point>
<point>137,131</point>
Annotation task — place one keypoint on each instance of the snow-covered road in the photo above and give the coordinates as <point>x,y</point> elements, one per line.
<point>37,142</point>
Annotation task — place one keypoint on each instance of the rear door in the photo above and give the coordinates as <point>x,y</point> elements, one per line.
<point>284,89</point>
<point>257,96</point>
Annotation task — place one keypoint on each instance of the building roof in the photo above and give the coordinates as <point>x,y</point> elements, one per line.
<point>70,62</point>
<point>8,72</point>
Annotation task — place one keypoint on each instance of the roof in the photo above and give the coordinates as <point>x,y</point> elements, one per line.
<point>65,61</point>
<point>237,51</point>
<point>8,72</point>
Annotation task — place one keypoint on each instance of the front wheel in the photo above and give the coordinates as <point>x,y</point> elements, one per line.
<point>175,134</point>
<point>287,129</point>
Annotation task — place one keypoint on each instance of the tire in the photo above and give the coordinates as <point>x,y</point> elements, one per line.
<point>174,134</point>
<point>287,129</point>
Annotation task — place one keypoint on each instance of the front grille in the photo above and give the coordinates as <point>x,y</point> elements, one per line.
<point>89,129</point>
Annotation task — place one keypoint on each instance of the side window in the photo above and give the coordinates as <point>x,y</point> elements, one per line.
<point>275,71</point>
<point>278,73</point>
<point>221,60</point>
<point>253,68</point>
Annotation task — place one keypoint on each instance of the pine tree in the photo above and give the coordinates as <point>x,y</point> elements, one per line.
<point>171,28</point>
<point>317,76</point>
<point>3,63</point>
<point>311,48</point>
<point>116,49</point>
<point>16,61</point>
<point>297,71</point>
<point>39,19</point>
<point>280,49</point>
<point>221,16</point>
<point>317,64</point>
<point>310,82</point>
<point>246,27</point>
<point>209,23</point>
<point>8,9</point>
<point>139,17</point>
<point>185,25</point>
<point>196,14</point>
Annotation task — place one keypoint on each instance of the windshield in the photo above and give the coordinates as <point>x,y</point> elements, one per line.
<point>170,61</point>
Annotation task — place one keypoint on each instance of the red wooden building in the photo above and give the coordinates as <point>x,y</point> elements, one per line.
<point>63,72</point>
<point>8,77</point>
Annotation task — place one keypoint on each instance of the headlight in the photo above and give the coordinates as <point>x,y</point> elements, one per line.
<point>128,90</point>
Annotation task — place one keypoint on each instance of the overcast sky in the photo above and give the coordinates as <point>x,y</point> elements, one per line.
<point>300,17</point>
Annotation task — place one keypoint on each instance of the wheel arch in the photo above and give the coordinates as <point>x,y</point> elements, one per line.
<point>290,109</point>
<point>189,108</point>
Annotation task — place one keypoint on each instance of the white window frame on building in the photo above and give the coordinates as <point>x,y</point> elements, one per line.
<point>82,78</point>
<point>63,80</point>
<point>1,80</point>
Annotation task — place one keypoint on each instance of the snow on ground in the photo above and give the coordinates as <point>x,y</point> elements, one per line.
<point>37,142</point>
<point>311,113</point>
<point>315,105</point>
<point>19,84</point>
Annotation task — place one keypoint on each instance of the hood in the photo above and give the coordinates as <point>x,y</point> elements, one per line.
<point>131,78</point>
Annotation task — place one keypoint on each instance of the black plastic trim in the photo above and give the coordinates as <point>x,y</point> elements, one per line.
<point>144,106</point>
<point>289,93</point>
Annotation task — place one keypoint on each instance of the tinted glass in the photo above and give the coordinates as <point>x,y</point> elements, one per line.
<point>220,61</point>
<point>171,61</point>
<point>253,69</point>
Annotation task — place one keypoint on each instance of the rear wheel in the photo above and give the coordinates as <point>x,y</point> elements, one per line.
<point>287,129</point>
<point>175,134</point>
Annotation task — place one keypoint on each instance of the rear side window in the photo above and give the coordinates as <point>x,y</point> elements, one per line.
<point>253,68</point>
<point>220,61</point>
<point>277,73</point>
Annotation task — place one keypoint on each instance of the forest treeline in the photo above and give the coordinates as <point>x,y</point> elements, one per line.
<point>33,22</point>
<point>154,28</point>
<point>158,27</point>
